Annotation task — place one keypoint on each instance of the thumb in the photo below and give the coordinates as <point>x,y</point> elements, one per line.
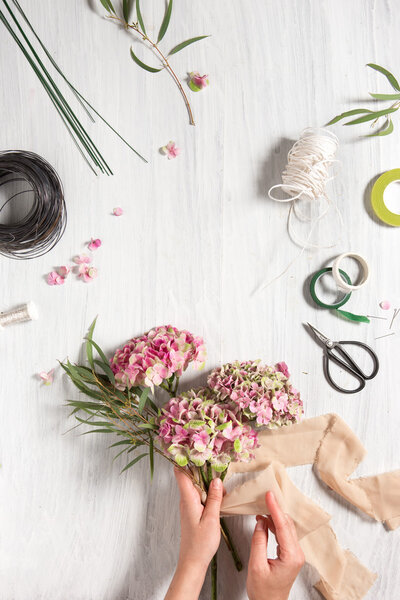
<point>258,552</point>
<point>214,499</point>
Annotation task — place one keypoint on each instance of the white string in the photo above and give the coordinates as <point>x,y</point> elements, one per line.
<point>305,178</point>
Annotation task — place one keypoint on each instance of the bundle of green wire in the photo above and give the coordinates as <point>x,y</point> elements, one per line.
<point>85,144</point>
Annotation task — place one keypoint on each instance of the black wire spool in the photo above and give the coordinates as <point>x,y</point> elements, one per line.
<point>38,231</point>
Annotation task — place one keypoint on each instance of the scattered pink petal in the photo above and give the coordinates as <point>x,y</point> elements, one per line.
<point>171,150</point>
<point>87,273</point>
<point>118,211</point>
<point>46,377</point>
<point>385,304</point>
<point>94,244</point>
<point>197,82</point>
<point>64,271</point>
<point>82,259</point>
<point>54,278</point>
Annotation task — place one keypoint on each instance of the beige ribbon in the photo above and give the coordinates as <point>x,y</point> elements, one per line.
<point>329,444</point>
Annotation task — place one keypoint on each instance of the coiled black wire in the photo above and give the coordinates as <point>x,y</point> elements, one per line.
<point>39,231</point>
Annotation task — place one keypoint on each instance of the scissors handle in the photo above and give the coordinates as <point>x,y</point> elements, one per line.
<point>349,365</point>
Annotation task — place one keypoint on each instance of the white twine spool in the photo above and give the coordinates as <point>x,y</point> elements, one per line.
<point>26,312</point>
<point>305,177</point>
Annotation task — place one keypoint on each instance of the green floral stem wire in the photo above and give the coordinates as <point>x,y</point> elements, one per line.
<point>70,120</point>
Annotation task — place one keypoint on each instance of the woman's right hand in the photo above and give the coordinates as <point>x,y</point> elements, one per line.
<point>269,579</point>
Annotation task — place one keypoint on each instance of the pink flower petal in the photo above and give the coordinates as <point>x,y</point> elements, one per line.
<point>54,278</point>
<point>94,244</point>
<point>82,259</point>
<point>64,271</point>
<point>171,150</point>
<point>46,377</point>
<point>118,211</point>
<point>87,273</point>
<point>198,82</point>
<point>385,304</point>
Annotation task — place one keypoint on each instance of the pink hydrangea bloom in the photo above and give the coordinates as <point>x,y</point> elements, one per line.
<point>261,392</point>
<point>54,278</point>
<point>197,82</point>
<point>118,211</point>
<point>195,428</point>
<point>46,376</point>
<point>171,150</point>
<point>94,244</point>
<point>156,356</point>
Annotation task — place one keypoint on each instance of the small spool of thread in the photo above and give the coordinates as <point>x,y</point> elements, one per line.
<point>25,312</point>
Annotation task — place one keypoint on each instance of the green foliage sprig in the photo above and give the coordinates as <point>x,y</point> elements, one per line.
<point>19,27</point>
<point>139,28</point>
<point>375,116</point>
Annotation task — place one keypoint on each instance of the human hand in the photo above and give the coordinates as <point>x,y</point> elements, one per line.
<point>200,537</point>
<point>272,579</point>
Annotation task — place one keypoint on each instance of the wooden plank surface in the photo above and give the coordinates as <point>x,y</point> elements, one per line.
<point>198,236</point>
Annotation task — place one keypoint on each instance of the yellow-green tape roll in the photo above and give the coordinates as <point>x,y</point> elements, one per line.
<point>378,204</point>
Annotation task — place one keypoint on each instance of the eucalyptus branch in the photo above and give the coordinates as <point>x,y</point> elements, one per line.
<point>139,28</point>
<point>375,116</point>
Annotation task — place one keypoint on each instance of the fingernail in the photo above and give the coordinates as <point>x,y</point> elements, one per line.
<point>217,483</point>
<point>259,525</point>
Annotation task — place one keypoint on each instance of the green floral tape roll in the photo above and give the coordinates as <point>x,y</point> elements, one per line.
<point>377,201</point>
<point>336,306</point>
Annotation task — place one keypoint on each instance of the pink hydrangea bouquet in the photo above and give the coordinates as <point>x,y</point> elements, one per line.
<point>201,431</point>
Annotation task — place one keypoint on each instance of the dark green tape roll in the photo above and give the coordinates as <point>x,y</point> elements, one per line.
<point>336,306</point>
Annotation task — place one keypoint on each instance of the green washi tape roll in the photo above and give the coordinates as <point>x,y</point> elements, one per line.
<point>336,306</point>
<point>377,201</point>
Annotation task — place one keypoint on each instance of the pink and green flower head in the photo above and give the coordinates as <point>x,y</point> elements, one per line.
<point>156,356</point>
<point>195,428</point>
<point>197,82</point>
<point>263,393</point>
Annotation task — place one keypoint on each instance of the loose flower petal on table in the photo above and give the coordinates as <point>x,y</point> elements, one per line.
<point>171,150</point>
<point>87,273</point>
<point>94,244</point>
<point>54,278</point>
<point>118,211</point>
<point>197,82</point>
<point>64,271</point>
<point>46,377</point>
<point>82,259</point>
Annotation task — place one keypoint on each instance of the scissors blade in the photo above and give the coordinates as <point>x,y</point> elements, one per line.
<point>318,334</point>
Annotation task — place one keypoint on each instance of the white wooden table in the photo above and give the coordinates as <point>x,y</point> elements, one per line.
<point>198,236</point>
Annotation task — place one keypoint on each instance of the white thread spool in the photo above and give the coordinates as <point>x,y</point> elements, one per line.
<point>305,177</point>
<point>340,282</point>
<point>26,312</point>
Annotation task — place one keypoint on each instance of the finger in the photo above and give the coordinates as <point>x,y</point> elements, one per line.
<point>190,499</point>
<point>259,541</point>
<point>214,499</point>
<point>283,531</point>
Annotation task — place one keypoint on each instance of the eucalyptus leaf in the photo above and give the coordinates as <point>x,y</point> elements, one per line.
<point>391,78</point>
<point>139,17</point>
<point>143,398</point>
<point>183,45</point>
<point>98,431</point>
<point>134,461</point>
<point>349,113</point>
<point>106,370</point>
<point>108,6</point>
<point>127,6</point>
<point>165,23</point>
<point>142,64</point>
<point>120,443</point>
<point>384,131</point>
<point>89,349</point>
<point>385,96</point>
<point>372,116</point>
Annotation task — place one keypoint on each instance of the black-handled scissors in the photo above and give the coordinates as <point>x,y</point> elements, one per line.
<point>348,364</point>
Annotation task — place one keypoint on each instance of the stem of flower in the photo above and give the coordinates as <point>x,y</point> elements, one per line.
<point>231,547</point>
<point>214,577</point>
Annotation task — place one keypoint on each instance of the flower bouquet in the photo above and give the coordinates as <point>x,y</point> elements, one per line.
<point>201,430</point>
